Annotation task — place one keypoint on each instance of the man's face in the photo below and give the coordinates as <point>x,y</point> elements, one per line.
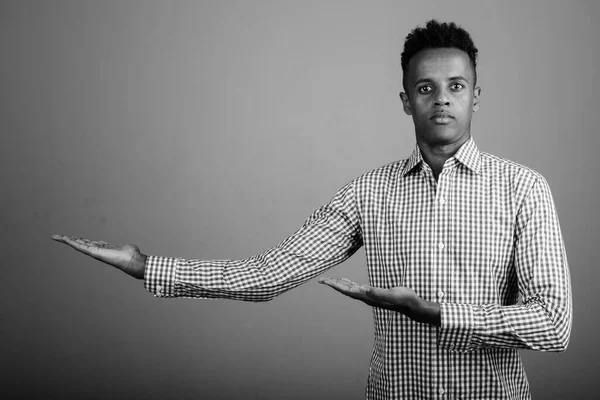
<point>440,96</point>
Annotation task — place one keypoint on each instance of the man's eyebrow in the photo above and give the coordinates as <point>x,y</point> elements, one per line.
<point>454,78</point>
<point>458,78</point>
<point>422,80</point>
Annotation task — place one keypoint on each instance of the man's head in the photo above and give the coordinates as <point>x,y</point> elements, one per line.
<point>438,35</point>
<point>439,78</point>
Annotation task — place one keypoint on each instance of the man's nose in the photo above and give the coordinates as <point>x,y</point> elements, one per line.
<point>442,99</point>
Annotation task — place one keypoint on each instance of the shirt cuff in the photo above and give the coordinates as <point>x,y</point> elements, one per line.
<point>459,322</point>
<point>159,277</point>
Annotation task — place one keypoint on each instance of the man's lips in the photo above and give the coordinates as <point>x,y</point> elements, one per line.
<point>441,118</point>
<point>441,115</point>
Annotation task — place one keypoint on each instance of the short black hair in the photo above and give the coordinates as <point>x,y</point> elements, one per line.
<point>437,35</point>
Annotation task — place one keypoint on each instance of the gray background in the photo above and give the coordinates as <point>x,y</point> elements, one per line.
<point>212,130</point>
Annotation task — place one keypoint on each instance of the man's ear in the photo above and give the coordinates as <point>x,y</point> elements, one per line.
<point>476,94</point>
<point>405,103</point>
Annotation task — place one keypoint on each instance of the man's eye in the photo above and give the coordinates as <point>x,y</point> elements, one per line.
<point>457,86</point>
<point>425,89</point>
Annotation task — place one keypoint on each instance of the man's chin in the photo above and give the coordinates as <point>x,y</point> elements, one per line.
<point>441,136</point>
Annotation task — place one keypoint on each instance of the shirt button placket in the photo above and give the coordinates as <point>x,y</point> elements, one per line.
<point>441,245</point>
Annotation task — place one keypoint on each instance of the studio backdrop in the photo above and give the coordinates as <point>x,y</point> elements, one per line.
<point>213,129</point>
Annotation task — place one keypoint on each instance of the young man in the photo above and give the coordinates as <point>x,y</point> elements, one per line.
<point>453,237</point>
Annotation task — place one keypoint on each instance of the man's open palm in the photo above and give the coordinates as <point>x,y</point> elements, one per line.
<point>126,257</point>
<point>401,299</point>
<point>396,299</point>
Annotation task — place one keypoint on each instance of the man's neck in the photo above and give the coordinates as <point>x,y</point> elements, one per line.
<point>435,155</point>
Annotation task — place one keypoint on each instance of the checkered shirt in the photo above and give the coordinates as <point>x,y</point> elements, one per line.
<point>483,241</point>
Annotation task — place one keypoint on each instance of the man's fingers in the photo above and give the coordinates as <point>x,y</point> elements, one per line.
<point>335,283</point>
<point>339,281</point>
<point>61,238</point>
<point>349,282</point>
<point>376,297</point>
<point>328,281</point>
<point>355,291</point>
<point>80,245</point>
<point>346,287</point>
<point>83,245</point>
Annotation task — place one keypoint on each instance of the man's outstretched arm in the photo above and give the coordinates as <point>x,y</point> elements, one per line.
<point>328,237</point>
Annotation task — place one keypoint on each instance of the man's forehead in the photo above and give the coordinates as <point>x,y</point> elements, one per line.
<point>440,62</point>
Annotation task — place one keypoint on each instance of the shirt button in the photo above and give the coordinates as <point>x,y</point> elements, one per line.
<point>440,294</point>
<point>440,245</point>
<point>441,390</point>
<point>159,290</point>
<point>442,201</point>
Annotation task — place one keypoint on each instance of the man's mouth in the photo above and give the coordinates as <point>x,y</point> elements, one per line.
<point>441,117</point>
<point>441,114</point>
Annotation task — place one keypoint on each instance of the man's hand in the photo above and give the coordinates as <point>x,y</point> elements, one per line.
<point>400,299</point>
<point>126,257</point>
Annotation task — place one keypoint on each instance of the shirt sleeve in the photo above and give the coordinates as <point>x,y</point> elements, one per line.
<point>328,237</point>
<point>543,320</point>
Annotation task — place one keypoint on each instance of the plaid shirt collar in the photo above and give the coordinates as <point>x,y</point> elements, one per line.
<point>468,155</point>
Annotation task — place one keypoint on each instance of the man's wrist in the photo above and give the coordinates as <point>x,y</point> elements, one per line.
<point>427,312</point>
<point>139,266</point>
